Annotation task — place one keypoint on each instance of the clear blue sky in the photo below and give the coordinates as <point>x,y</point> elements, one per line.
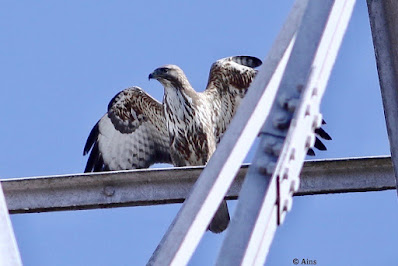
<point>61,63</point>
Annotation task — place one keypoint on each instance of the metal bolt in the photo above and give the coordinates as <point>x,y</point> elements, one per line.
<point>283,211</point>
<point>109,191</point>
<point>282,216</point>
<point>261,165</point>
<point>308,110</point>
<point>315,92</point>
<point>281,121</point>
<point>317,123</point>
<point>265,167</point>
<point>269,143</point>
<point>294,185</point>
<point>270,168</point>
<point>285,174</point>
<point>277,148</point>
<point>310,141</point>
<point>292,154</point>
<point>300,88</point>
<point>292,105</point>
<point>287,204</point>
<point>283,100</point>
<point>262,170</point>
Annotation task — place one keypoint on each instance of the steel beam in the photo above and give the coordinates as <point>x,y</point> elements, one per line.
<point>164,186</point>
<point>383,16</point>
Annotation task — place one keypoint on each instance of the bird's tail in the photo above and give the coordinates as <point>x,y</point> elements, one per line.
<point>221,219</point>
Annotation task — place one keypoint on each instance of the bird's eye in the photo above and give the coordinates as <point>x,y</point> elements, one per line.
<point>163,70</point>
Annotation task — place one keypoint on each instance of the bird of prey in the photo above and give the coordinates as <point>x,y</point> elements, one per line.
<point>138,131</point>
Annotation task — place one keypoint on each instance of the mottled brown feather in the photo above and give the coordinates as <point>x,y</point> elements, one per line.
<point>132,134</point>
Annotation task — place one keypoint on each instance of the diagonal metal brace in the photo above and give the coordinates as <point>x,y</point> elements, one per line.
<point>273,177</point>
<point>191,222</point>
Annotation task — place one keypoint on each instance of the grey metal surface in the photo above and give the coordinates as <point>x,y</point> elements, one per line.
<point>383,16</point>
<point>9,253</point>
<point>163,186</point>
<point>347,175</point>
<point>185,232</point>
<point>104,190</point>
<point>267,192</point>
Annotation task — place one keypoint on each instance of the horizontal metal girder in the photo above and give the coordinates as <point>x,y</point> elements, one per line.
<point>172,185</point>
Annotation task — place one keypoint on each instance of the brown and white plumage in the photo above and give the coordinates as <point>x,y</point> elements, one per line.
<point>131,135</point>
<point>197,120</point>
<point>138,131</point>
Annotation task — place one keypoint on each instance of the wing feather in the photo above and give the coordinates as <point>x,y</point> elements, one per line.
<point>92,137</point>
<point>229,80</point>
<point>131,135</point>
<point>93,157</point>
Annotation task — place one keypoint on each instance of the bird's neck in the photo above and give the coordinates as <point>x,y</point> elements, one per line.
<point>179,98</point>
<point>178,88</point>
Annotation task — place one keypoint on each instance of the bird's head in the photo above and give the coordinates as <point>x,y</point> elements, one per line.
<point>169,76</point>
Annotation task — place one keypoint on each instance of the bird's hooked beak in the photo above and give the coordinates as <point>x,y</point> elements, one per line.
<point>151,76</point>
<point>154,74</point>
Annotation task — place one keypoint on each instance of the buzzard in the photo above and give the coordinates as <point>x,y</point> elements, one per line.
<point>138,131</point>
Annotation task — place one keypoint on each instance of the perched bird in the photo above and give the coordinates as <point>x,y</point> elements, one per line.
<point>196,120</point>
<point>138,131</point>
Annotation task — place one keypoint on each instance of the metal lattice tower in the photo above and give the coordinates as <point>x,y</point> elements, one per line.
<point>282,106</point>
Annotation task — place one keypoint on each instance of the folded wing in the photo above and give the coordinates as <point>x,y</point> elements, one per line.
<point>131,135</point>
